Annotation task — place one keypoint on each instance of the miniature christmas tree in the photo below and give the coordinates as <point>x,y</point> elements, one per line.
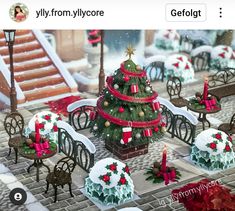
<point>94,37</point>
<point>128,111</point>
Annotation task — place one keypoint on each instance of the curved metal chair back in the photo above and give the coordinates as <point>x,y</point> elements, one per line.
<point>232,121</point>
<point>201,62</point>
<point>65,164</point>
<point>14,124</point>
<point>155,71</point>
<point>173,87</point>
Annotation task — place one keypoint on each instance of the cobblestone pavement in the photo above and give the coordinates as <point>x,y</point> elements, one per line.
<point>154,200</point>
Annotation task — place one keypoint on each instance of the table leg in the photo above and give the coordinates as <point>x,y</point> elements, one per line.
<point>37,169</point>
<point>202,118</point>
<point>38,163</point>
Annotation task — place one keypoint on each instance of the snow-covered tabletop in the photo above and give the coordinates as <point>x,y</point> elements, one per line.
<point>47,124</point>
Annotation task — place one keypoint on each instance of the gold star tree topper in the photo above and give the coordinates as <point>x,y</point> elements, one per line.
<point>129,51</point>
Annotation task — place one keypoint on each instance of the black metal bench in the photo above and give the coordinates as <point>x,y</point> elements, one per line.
<point>222,83</point>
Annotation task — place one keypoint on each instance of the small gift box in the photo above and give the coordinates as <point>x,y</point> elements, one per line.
<point>155,106</point>
<point>134,88</point>
<point>148,132</point>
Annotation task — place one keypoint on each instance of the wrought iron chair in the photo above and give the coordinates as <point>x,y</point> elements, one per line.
<point>174,87</point>
<point>61,175</point>
<point>14,126</point>
<point>228,128</point>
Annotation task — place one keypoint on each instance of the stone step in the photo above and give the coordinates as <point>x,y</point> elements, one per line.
<point>32,65</point>
<point>26,56</point>
<point>41,93</point>
<point>37,73</point>
<point>47,81</point>
<point>20,49</point>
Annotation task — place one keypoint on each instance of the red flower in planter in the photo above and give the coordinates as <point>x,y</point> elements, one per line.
<point>227,148</point>
<point>55,128</point>
<point>112,167</point>
<point>122,180</point>
<point>126,169</point>
<point>218,136</point>
<point>213,145</point>
<point>105,178</point>
<point>47,117</point>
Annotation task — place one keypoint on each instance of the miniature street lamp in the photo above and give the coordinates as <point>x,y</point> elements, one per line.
<point>10,39</point>
<point>101,74</point>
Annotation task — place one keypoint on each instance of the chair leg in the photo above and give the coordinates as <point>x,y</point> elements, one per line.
<point>9,153</point>
<point>55,188</point>
<point>16,154</point>
<point>70,189</point>
<point>47,187</point>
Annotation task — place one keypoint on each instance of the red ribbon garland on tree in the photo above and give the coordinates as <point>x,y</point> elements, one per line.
<point>121,122</point>
<point>126,72</point>
<point>123,97</point>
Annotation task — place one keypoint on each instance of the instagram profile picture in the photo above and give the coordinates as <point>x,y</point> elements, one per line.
<point>19,12</point>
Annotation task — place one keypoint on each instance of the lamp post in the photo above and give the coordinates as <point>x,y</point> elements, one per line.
<point>10,39</point>
<point>101,74</point>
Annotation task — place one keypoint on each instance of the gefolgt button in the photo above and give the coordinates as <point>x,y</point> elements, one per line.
<point>186,12</point>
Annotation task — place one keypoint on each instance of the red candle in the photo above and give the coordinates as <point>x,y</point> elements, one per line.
<point>205,90</point>
<point>37,133</point>
<point>166,178</point>
<point>163,167</point>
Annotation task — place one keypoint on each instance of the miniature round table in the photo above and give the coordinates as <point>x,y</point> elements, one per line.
<point>202,113</point>
<point>38,161</point>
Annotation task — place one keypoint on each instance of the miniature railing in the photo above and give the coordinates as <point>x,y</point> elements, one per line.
<point>180,123</point>
<point>76,146</point>
<point>79,113</point>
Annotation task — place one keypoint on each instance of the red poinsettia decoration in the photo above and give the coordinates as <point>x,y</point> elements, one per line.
<point>47,117</point>
<point>213,145</point>
<point>122,180</point>
<point>112,167</point>
<point>106,178</point>
<point>54,128</point>
<point>126,170</point>
<point>58,118</point>
<point>218,136</point>
<point>227,148</point>
<point>204,195</point>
